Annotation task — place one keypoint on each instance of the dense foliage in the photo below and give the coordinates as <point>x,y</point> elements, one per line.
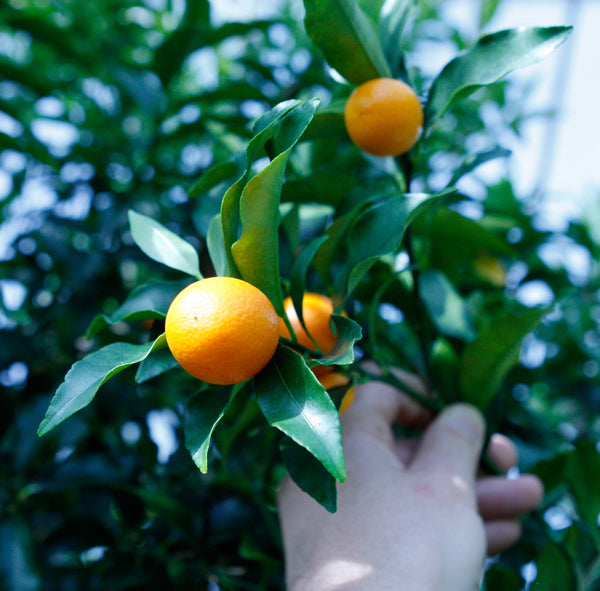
<point>121,118</point>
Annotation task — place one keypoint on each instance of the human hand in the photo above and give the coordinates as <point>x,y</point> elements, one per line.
<point>412,514</point>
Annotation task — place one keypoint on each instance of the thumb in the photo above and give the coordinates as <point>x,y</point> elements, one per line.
<point>452,443</point>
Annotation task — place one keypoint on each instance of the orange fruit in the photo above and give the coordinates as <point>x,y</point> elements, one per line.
<point>336,380</point>
<point>384,117</point>
<point>316,312</point>
<point>222,330</point>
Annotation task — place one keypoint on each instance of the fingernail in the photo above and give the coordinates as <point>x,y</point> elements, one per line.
<point>466,420</point>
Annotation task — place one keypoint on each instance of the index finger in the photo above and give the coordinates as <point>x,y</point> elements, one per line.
<point>379,405</point>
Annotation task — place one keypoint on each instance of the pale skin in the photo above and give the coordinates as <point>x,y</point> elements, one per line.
<point>414,515</point>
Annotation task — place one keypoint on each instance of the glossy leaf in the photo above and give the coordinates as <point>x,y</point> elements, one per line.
<point>256,252</point>
<point>293,401</point>
<point>164,246</point>
<point>490,59</point>
<point>155,365</point>
<point>147,301</point>
<point>309,474</point>
<point>495,351</point>
<point>447,309</point>
<point>348,332</point>
<point>347,38</point>
<point>86,376</point>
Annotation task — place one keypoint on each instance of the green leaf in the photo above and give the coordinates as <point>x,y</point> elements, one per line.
<point>447,309</point>
<point>379,230</point>
<point>216,174</point>
<point>393,23</point>
<point>164,246</point>
<point>495,351</point>
<point>309,474</point>
<point>256,253</point>
<point>299,270</point>
<point>347,38</point>
<point>155,365</point>
<point>202,414</point>
<point>293,401</point>
<point>147,301</point>
<point>583,475</point>
<point>472,161</point>
<point>86,376</point>
<point>18,564</point>
<point>554,570</point>
<point>493,57</point>
<point>264,130</point>
<point>348,332</point>
<point>215,244</point>
<point>501,578</point>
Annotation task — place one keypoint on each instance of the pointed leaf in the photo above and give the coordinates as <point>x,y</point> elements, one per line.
<point>495,351</point>
<point>256,253</point>
<point>264,130</point>
<point>147,301</point>
<point>493,57</point>
<point>164,246</point>
<point>347,38</point>
<point>86,376</point>
<point>216,174</point>
<point>309,474</point>
<point>202,414</point>
<point>293,401</point>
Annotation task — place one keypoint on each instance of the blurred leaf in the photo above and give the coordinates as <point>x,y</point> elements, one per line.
<point>447,309</point>
<point>488,9</point>
<point>501,578</point>
<point>202,414</point>
<point>554,570</point>
<point>18,569</point>
<point>164,246</point>
<point>216,174</point>
<point>256,252</point>
<point>493,57</point>
<point>86,376</point>
<point>472,161</point>
<point>393,24</point>
<point>293,401</point>
<point>583,474</point>
<point>309,474</point>
<point>147,301</point>
<point>347,38</point>
<point>495,351</point>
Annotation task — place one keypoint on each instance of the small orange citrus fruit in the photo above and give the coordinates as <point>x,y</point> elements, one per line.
<point>384,117</point>
<point>222,330</point>
<point>316,312</point>
<point>336,380</point>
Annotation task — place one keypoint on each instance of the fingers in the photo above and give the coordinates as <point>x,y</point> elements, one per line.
<point>499,498</point>
<point>377,406</point>
<point>502,452</point>
<point>501,535</point>
<point>452,443</point>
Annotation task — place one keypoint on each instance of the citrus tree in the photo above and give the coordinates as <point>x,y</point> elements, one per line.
<point>225,221</point>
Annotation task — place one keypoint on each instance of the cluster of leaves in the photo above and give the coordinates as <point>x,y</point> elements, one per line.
<point>288,204</point>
